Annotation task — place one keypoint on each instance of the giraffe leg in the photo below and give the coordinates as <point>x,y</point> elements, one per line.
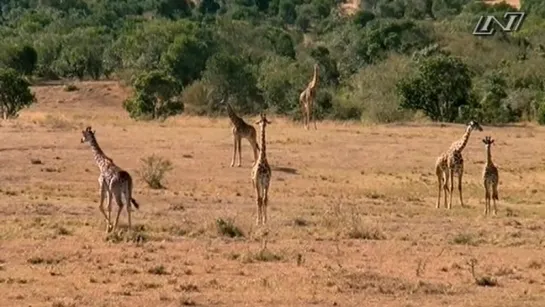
<point>109,197</point>
<point>265,203</point>
<point>445,188</point>
<point>460,174</point>
<point>258,202</point>
<point>495,198</point>
<point>101,204</point>
<point>239,145</point>
<point>308,116</point>
<point>127,193</point>
<point>486,199</point>
<point>440,182</point>
<point>234,149</point>
<point>117,194</point>
<point>451,179</point>
<point>303,113</point>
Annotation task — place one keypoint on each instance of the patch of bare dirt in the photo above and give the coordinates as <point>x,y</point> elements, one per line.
<point>352,214</point>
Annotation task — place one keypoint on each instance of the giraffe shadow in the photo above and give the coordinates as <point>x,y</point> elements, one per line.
<point>287,170</point>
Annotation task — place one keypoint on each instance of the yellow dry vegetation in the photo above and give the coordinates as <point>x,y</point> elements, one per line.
<point>352,214</point>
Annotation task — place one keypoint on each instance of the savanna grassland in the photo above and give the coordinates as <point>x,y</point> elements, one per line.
<point>352,214</point>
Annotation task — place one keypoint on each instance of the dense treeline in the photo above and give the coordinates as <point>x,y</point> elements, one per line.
<point>393,60</point>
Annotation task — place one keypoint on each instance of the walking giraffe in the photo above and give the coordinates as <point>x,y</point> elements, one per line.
<point>261,175</point>
<point>113,181</point>
<point>241,130</point>
<point>490,178</point>
<point>451,163</point>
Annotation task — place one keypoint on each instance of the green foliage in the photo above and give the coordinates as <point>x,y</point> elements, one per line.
<point>440,87</point>
<point>541,113</point>
<point>21,58</point>
<point>280,81</point>
<point>493,105</point>
<point>154,96</point>
<point>533,7</point>
<point>233,76</point>
<point>186,58</point>
<point>260,53</point>
<point>15,93</point>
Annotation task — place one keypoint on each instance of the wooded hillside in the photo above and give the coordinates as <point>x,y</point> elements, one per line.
<point>389,61</point>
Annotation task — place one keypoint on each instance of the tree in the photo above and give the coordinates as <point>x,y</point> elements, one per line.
<point>493,106</point>
<point>154,96</point>
<point>174,9</point>
<point>231,75</point>
<point>21,58</point>
<point>287,11</point>
<point>15,93</point>
<point>186,58</point>
<point>440,87</point>
<point>329,75</point>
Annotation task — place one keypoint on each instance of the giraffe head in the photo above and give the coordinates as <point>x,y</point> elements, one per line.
<point>88,135</point>
<point>263,121</point>
<point>473,125</point>
<point>488,141</point>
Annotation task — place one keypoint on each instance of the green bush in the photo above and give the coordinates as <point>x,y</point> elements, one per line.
<point>154,96</point>
<point>15,93</point>
<point>439,88</point>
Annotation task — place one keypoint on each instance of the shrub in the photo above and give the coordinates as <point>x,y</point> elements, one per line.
<point>153,170</point>
<point>15,93</point>
<point>154,96</point>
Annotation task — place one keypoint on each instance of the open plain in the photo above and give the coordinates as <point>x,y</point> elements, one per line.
<point>352,214</point>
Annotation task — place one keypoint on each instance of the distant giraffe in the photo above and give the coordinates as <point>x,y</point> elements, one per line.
<point>241,130</point>
<point>307,99</point>
<point>451,163</point>
<point>490,178</point>
<point>112,180</point>
<point>261,175</point>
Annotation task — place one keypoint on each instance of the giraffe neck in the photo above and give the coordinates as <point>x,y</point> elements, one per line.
<point>489,155</point>
<point>314,80</point>
<point>263,151</point>
<point>465,138</point>
<point>101,159</point>
<point>237,121</point>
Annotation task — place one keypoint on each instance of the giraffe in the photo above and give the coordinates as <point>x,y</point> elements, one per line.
<point>113,181</point>
<point>261,175</point>
<point>241,130</point>
<point>490,178</point>
<point>307,98</point>
<point>451,163</point>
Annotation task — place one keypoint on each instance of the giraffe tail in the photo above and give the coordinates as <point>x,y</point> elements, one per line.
<point>136,205</point>
<point>128,178</point>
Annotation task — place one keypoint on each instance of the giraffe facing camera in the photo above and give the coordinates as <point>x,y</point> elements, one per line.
<point>490,178</point>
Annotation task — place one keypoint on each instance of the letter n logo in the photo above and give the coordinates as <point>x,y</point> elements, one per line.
<point>485,25</point>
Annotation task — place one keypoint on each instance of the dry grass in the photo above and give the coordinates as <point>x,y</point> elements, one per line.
<point>352,214</point>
